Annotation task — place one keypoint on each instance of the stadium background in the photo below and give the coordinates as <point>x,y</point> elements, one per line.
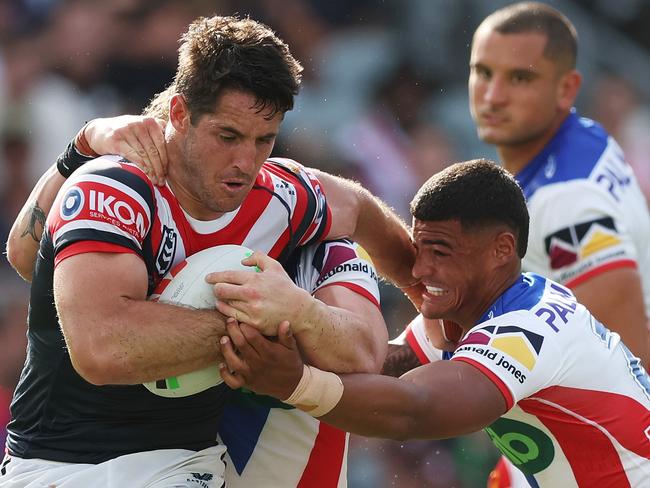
<point>383,100</point>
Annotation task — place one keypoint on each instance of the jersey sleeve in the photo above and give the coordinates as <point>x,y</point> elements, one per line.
<point>577,232</point>
<point>340,262</point>
<point>416,337</point>
<point>311,216</point>
<point>515,351</point>
<point>105,207</point>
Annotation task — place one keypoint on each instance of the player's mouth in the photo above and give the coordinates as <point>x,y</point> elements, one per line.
<point>235,185</point>
<point>492,119</point>
<point>435,291</point>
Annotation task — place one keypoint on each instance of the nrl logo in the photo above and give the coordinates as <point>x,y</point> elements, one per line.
<point>166,251</point>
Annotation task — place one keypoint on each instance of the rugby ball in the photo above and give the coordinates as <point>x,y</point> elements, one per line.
<point>185,285</point>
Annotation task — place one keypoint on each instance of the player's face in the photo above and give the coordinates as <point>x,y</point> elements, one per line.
<point>516,94</point>
<point>455,266</point>
<point>221,156</point>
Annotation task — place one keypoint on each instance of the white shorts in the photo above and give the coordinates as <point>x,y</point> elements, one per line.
<point>165,468</point>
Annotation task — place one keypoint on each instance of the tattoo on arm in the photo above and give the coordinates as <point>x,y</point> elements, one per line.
<point>399,360</point>
<point>36,216</point>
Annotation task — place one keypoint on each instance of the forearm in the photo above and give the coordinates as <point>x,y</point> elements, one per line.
<point>337,339</point>
<point>138,341</point>
<point>380,406</point>
<point>26,231</point>
<point>387,239</point>
<point>399,359</point>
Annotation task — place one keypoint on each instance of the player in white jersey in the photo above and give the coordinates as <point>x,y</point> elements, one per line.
<point>263,434</point>
<point>558,393</point>
<point>590,227</point>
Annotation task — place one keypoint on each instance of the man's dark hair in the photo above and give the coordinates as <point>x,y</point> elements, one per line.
<point>221,53</point>
<point>525,17</point>
<point>478,194</point>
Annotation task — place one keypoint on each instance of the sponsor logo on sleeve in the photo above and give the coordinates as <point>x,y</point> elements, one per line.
<point>72,204</point>
<point>167,250</point>
<point>343,258</point>
<point>566,246</point>
<point>509,347</point>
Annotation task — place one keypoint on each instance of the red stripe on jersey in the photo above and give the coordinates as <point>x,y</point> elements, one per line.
<point>592,456</point>
<point>600,408</point>
<point>415,345</point>
<point>498,382</point>
<point>356,289</point>
<point>82,247</point>
<point>324,465</point>
<point>624,263</point>
<point>500,475</point>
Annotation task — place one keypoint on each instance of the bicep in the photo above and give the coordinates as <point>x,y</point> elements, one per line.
<point>91,287</point>
<point>343,199</point>
<point>465,399</point>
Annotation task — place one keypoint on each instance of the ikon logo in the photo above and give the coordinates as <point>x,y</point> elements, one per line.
<point>108,205</point>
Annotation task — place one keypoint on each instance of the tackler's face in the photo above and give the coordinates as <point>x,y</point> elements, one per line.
<point>452,263</point>
<point>222,153</point>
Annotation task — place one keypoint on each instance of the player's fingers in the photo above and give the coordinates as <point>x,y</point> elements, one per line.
<point>133,150</point>
<point>228,292</point>
<point>285,336</point>
<point>232,380</point>
<point>146,135</point>
<point>255,338</point>
<point>261,261</point>
<point>227,309</point>
<point>232,277</point>
<point>246,350</point>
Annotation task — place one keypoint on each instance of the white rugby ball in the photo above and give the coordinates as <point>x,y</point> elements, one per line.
<point>185,285</point>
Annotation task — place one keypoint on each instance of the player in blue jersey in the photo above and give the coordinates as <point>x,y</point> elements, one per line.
<point>534,368</point>
<point>590,228</point>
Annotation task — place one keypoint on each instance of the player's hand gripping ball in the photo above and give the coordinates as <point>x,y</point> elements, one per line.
<point>185,285</point>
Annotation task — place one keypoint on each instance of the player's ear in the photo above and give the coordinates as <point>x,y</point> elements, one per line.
<point>179,113</point>
<point>505,247</point>
<point>568,89</point>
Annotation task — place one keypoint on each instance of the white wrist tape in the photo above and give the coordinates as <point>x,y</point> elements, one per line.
<point>317,392</point>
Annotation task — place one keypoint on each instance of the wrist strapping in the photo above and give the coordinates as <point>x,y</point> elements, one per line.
<point>75,155</point>
<point>317,392</point>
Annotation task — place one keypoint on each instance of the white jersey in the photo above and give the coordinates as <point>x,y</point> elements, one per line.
<point>272,444</point>
<point>587,212</point>
<point>578,401</point>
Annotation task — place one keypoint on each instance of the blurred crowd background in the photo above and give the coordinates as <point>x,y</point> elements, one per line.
<point>384,101</point>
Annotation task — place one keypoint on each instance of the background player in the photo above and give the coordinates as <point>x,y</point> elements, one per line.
<point>535,368</point>
<point>590,227</point>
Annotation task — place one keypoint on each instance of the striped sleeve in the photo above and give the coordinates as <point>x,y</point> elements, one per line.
<point>311,216</point>
<point>105,207</point>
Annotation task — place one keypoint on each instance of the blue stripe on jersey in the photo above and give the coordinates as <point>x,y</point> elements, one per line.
<point>571,154</point>
<point>240,429</point>
<point>524,294</point>
<point>531,481</point>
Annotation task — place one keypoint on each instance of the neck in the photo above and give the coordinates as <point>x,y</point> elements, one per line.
<point>499,284</point>
<point>515,157</point>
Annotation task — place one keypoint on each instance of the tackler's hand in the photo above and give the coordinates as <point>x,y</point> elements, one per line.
<point>260,364</point>
<point>139,139</point>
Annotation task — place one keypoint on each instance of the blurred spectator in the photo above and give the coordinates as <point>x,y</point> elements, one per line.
<point>13,313</point>
<point>621,109</point>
